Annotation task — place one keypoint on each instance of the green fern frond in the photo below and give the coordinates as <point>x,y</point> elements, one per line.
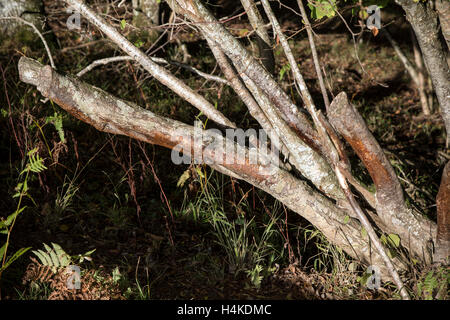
<point>35,162</point>
<point>55,257</point>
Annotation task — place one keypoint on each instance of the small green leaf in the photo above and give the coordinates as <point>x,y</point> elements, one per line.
<point>394,239</point>
<point>363,232</point>
<point>184,177</point>
<point>139,43</point>
<point>2,251</point>
<point>322,8</point>
<point>57,122</point>
<point>283,70</point>
<point>7,222</point>
<point>123,24</point>
<point>346,219</point>
<point>14,258</point>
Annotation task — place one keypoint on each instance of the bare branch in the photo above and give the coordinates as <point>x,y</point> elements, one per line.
<point>426,108</point>
<point>327,147</point>
<point>315,56</point>
<point>155,59</point>
<point>263,40</point>
<point>372,235</point>
<point>160,73</point>
<point>390,203</point>
<point>101,62</point>
<point>246,64</point>
<point>408,66</point>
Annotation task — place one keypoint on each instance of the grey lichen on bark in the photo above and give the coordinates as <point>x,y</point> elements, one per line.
<point>443,9</point>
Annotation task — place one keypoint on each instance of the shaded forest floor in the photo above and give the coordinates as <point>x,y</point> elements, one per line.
<point>156,240</point>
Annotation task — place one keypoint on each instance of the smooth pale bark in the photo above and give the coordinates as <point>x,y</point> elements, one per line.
<point>414,230</point>
<point>110,114</point>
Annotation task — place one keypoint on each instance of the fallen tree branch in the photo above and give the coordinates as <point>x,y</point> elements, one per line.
<point>110,114</point>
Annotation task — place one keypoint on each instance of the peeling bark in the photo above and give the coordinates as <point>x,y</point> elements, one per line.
<point>413,229</point>
<point>442,252</point>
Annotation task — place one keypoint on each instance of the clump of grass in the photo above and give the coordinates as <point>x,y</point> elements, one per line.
<point>250,245</point>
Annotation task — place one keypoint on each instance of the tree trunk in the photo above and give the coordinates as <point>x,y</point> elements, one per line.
<point>146,17</point>
<point>424,20</point>
<point>30,10</point>
<point>443,9</point>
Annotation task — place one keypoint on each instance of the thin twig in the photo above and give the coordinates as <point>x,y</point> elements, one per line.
<point>315,56</point>
<point>105,61</point>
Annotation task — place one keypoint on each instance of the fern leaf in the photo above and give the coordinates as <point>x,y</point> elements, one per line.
<point>53,256</point>
<point>63,258</point>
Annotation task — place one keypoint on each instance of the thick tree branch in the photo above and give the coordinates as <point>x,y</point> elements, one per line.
<point>264,86</point>
<point>105,61</point>
<point>390,203</point>
<point>246,64</point>
<point>110,114</point>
